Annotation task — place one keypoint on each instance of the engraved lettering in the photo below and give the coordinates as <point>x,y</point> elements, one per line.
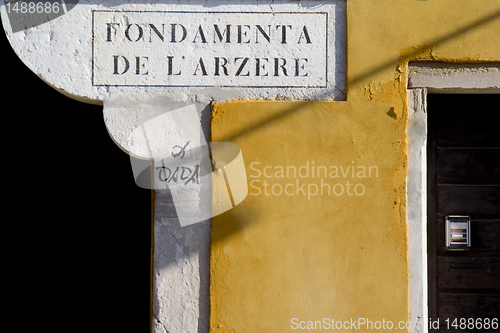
<point>243,63</point>
<point>226,32</point>
<point>305,35</point>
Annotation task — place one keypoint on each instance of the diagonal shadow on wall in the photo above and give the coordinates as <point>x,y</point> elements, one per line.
<point>181,234</point>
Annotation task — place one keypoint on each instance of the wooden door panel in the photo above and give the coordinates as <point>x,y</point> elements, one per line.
<point>463,179</point>
<point>468,200</point>
<point>468,273</point>
<point>469,166</point>
<point>466,130</point>
<point>457,305</point>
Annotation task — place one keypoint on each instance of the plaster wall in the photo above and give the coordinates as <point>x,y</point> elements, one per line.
<point>279,257</point>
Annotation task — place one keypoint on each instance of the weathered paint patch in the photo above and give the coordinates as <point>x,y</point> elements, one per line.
<point>282,255</point>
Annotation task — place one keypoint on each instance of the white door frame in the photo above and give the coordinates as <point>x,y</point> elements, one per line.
<point>424,78</point>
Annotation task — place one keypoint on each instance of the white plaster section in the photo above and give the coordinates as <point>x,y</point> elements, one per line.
<point>176,143</point>
<point>123,113</point>
<point>148,127</point>
<point>417,208</point>
<point>72,52</point>
<point>455,78</point>
<point>181,271</point>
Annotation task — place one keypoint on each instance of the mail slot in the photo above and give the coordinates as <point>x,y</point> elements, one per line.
<point>457,232</point>
<point>471,265</point>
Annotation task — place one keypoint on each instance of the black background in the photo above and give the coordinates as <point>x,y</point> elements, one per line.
<point>79,249</point>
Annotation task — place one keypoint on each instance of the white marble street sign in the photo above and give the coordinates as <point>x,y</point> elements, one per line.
<point>206,49</point>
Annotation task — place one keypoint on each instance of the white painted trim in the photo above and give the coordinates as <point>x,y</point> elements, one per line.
<point>424,78</point>
<point>448,77</point>
<point>416,214</point>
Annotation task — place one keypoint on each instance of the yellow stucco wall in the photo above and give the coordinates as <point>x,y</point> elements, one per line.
<point>279,257</point>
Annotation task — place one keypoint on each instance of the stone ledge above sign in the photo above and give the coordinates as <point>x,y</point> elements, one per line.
<point>252,50</point>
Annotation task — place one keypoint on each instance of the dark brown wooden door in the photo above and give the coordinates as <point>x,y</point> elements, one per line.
<point>464,179</point>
